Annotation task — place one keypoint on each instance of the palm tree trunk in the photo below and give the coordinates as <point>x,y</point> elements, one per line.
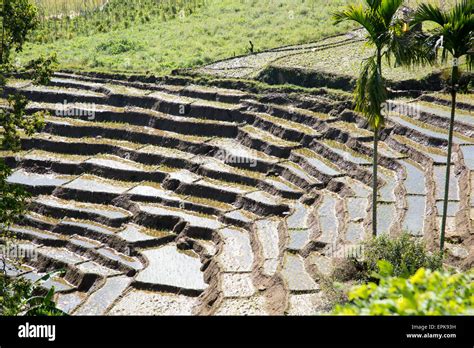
<point>375,161</point>
<point>375,183</point>
<point>450,150</point>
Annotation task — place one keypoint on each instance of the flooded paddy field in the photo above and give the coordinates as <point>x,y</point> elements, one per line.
<point>180,198</point>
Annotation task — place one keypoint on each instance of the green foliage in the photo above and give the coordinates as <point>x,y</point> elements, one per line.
<point>384,32</point>
<point>14,119</point>
<point>370,93</point>
<point>118,46</point>
<point>115,15</point>
<point>424,293</point>
<point>455,26</point>
<point>19,18</point>
<point>378,18</point>
<point>41,69</point>
<point>454,32</point>
<point>182,41</point>
<point>21,297</point>
<point>382,257</point>
<point>12,200</point>
<point>404,253</point>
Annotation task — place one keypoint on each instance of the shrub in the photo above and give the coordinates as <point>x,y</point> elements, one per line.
<point>405,253</point>
<point>425,293</point>
<point>118,46</point>
<point>19,296</point>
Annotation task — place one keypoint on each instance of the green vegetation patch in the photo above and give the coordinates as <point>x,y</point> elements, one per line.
<point>405,253</point>
<point>19,296</point>
<point>216,30</point>
<point>425,293</point>
<point>118,46</point>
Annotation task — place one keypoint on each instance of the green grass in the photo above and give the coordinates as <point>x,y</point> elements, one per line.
<point>157,36</point>
<point>219,29</point>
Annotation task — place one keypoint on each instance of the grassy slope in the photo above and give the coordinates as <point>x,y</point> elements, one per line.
<point>219,30</point>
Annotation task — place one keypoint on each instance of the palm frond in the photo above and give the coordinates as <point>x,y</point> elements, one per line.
<point>461,11</point>
<point>430,13</point>
<point>409,48</point>
<point>388,9</point>
<point>357,14</point>
<point>461,27</point>
<point>455,29</point>
<point>373,4</point>
<point>370,93</point>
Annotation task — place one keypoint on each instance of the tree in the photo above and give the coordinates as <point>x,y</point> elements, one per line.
<point>18,19</point>
<point>455,33</point>
<point>384,32</point>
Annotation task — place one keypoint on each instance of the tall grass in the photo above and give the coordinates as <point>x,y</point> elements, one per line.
<point>55,8</point>
<point>67,19</point>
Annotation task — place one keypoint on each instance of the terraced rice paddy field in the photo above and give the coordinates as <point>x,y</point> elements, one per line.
<point>168,197</point>
<point>337,58</point>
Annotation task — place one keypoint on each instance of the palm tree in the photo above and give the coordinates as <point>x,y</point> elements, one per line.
<point>385,32</point>
<point>454,29</point>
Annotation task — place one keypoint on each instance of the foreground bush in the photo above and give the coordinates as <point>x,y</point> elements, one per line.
<point>405,253</point>
<point>425,293</point>
<point>21,297</point>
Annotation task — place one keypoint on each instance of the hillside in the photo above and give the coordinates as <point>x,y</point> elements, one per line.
<point>216,30</point>
<point>160,36</point>
<point>183,170</point>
